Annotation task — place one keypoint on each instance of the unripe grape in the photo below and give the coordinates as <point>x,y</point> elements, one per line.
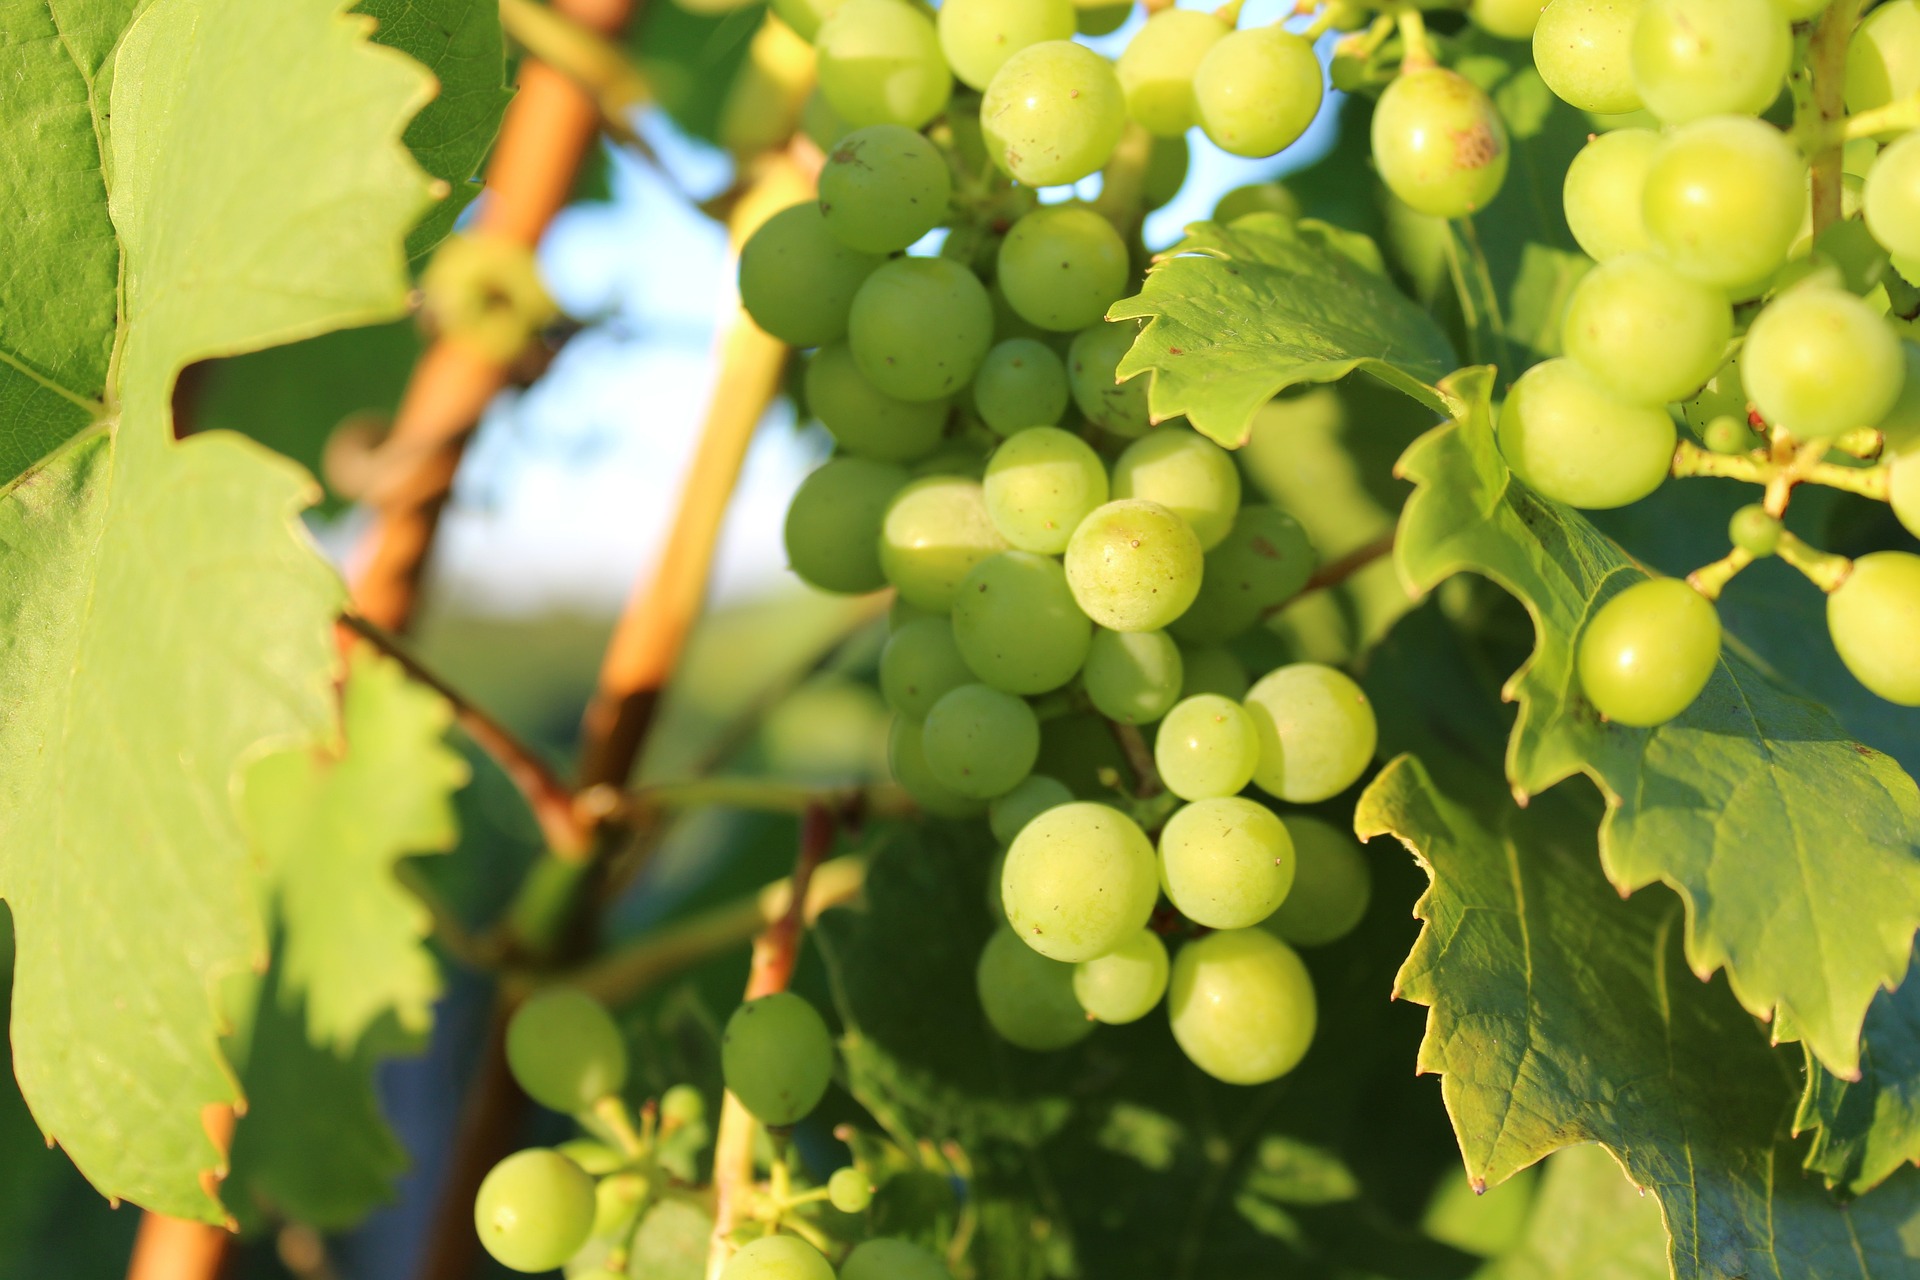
<point>883,187</point>
<point>979,741</point>
<point>1508,19</point>
<point>1257,90</point>
<point>1331,885</point>
<point>777,1258</point>
<point>920,327</point>
<point>978,36</point>
<point>865,421</point>
<point>1009,814</point>
<point>1724,199</point>
<point>1092,362</point>
<point>1874,616</point>
<point>594,1158</point>
<point>1256,197</point>
<point>1079,879</point>
<point>920,664</point>
<point>1317,732</point>
<point>1696,58</point>
<point>1226,863</point>
<point>1212,668</point>
<point>1649,651</point>
<point>880,63</point>
<point>1241,1005</point>
<point>1017,625</point>
<point>1818,361</point>
<point>936,529</point>
<point>1187,474</point>
<point>1439,143</point>
<point>1755,531</point>
<point>1101,17</point>
<point>1729,435</point>
<point>565,1050</point>
<point>1904,481</point>
<point>1901,425</point>
<point>1134,566</point>
<point>1883,58</point>
<point>834,523</point>
<point>1159,67</point>
<point>849,1191</point>
<point>1207,746</point>
<point>777,1057</point>
<point>1132,677</point>
<point>1583,50</point>
<point>884,1259</point>
<point>1040,485</point>
<point>1265,561</point>
<point>1028,998</point>
<point>1053,113</point>
<point>681,1106</point>
<point>1125,984</point>
<point>798,281</point>
<point>1061,267</point>
<point>1605,191</point>
<point>1893,198</point>
<point>1168,162</point>
<point>1575,442</point>
<point>1648,333</point>
<point>1021,384</point>
<point>907,760</point>
<point>534,1210</point>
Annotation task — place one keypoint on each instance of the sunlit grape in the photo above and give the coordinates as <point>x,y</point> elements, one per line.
<point>1125,984</point>
<point>1257,90</point>
<point>1241,1005</point>
<point>1226,862</point>
<point>1439,143</point>
<point>1053,113</point>
<point>1583,50</point>
<point>1649,651</point>
<point>1317,732</point>
<point>1575,442</point>
<point>880,63</point>
<point>1078,881</point>
<point>1874,617</point>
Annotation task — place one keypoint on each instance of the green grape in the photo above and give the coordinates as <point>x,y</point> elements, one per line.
<point>1583,50</point>
<point>534,1210</point>
<point>849,1190</point>
<point>1901,426</point>
<point>1207,747</point>
<point>1021,384</point>
<point>1819,361</point>
<point>1256,197</point>
<point>1027,997</point>
<point>920,327</point>
<point>1724,396</point>
<point>1009,814</point>
<point>1649,651</point>
<point>1061,267</point>
<point>1508,19</point>
<point>907,759</point>
<point>1134,565</point>
<point>1893,198</point>
<point>778,1257</point>
<point>1241,1005</point>
<point>1331,885</point>
<point>1226,863</point>
<point>1017,626</point>
<point>1439,143</point>
<point>978,36</point>
<point>1041,483</point>
<point>1904,480</point>
<point>933,533</point>
<point>1874,617</point>
<point>884,1259</point>
<point>1101,17</point>
<point>1256,91</point>
<point>1883,58</point>
<point>921,664</point>
<point>1697,58</point>
<point>565,1050</point>
<point>798,281</point>
<point>863,420</point>
<point>616,1204</point>
<point>1187,474</point>
<point>1728,435</point>
<point>805,16</point>
<point>1605,190</point>
<point>1264,562</point>
<point>833,526</point>
<point>1649,334</point>
<point>1158,68</point>
<point>1079,880</point>
<point>777,1057</point>
<point>1724,198</point>
<point>1125,984</point>
<point>1053,113</point>
<point>595,1158</point>
<point>979,741</point>
<point>1132,677</point>
<point>1168,160</point>
<point>1754,531</point>
<point>1092,371</point>
<point>883,187</point>
<point>682,1107</point>
<point>880,63</point>
<point>1575,442</point>
<point>1317,732</point>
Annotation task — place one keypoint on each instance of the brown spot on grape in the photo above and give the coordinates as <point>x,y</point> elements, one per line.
<point>1475,148</point>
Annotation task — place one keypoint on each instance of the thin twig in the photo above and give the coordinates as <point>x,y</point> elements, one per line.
<point>1827,62</point>
<point>1133,745</point>
<point>1336,572</point>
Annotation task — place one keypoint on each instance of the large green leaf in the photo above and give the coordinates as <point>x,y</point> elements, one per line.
<point>1866,1129</point>
<point>1238,314</point>
<point>1793,846</point>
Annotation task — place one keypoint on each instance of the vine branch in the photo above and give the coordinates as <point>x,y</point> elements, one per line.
<point>1827,66</point>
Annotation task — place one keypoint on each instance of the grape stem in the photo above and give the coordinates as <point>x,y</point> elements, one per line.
<point>1895,117</point>
<point>1710,580</point>
<point>587,58</point>
<point>1133,745</point>
<point>1824,569</point>
<point>1804,464</point>
<point>611,1115</point>
<point>1336,572</point>
<point>1689,459</point>
<point>1822,115</point>
<point>1418,50</point>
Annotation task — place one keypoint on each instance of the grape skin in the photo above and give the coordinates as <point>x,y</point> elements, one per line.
<point>798,281</point>
<point>565,1050</point>
<point>1241,1005</point>
<point>1040,484</point>
<point>1574,442</point>
<point>880,63</point>
<point>1021,384</point>
<point>1017,626</point>
<point>1132,677</point>
<point>884,1259</point>
<point>1009,814</point>
<point>1892,203</point>
<point>1648,333</point>
<point>1649,651</point>
<point>1901,425</point>
<point>920,327</point>
<point>534,1210</point>
<point>1187,474</point>
<point>935,531</point>
<point>1226,863</point>
<point>1092,365</point>
<point>907,760</point>
<point>1697,58</point>
<point>863,420</point>
<point>1439,143</point>
<point>1027,997</point>
<point>978,36</point>
<point>833,526</point>
<point>1159,67</point>
<point>1053,113</point>
<point>1079,879</point>
<point>1332,885</point>
<point>884,187</point>
<point>1604,193</point>
<point>1874,616</point>
<point>1317,732</point>
<point>849,1191</point>
<point>1061,267</point>
<point>777,1258</point>
<point>1125,984</point>
<point>1883,58</point>
<point>1819,361</point>
<point>1207,746</point>
<point>1134,566</point>
<point>1265,561</point>
<point>1257,90</point>
<point>979,741</point>
<point>777,1057</point>
<point>1724,199</point>
<point>920,664</point>
<point>1583,50</point>
<point>1508,19</point>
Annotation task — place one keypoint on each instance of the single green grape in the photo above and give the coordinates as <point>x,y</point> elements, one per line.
<point>1903,481</point>
<point>1168,162</point>
<point>777,1057</point>
<point>1101,17</point>
<point>883,187</point>
<point>1724,198</point>
<point>1009,814</point>
<point>1021,384</point>
<point>979,741</point>
<point>1132,677</point>
<point>1755,531</point>
<point>1874,616</point>
<point>1053,113</point>
<point>880,63</point>
<point>1574,441</point>
<point>884,1259</point>
<point>933,533</point>
<point>849,1190</point>
<point>1649,651</point>
<point>1645,331</point>
<point>1206,747</point>
<point>1187,474</point>
<point>1125,984</point>
<point>1728,435</point>
<point>1241,1005</point>
<point>865,421</point>
<point>1819,361</point>
<point>907,760</point>
<point>921,664</point>
<point>682,1106</point>
<point>565,1050</point>
<point>594,1158</point>
<point>1134,565</point>
<point>1158,69</point>
<point>534,1210</point>
<point>920,327</point>
<point>798,281</point>
<point>1041,483</point>
<point>1605,193</point>
<point>1017,626</point>
<point>979,36</point>
<point>778,1257</point>
<point>1331,885</point>
<point>1257,197</point>
<point>616,1204</point>
<point>1583,50</point>
<point>1265,561</point>
<point>1901,426</point>
<point>1256,91</point>
<point>805,16</point>
<point>834,523</point>
<point>1027,997</point>
<point>1062,266</point>
<point>1439,143</point>
<point>1883,58</point>
<point>1079,879</point>
<point>1317,732</point>
<point>1697,58</point>
<point>1212,668</point>
<point>1892,202</point>
<point>1092,371</point>
<point>1226,863</point>
<point>1508,19</point>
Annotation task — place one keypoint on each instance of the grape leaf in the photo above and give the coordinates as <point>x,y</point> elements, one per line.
<point>1235,315</point>
<point>1792,845</point>
<point>1867,1129</point>
<point>1589,1222</point>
